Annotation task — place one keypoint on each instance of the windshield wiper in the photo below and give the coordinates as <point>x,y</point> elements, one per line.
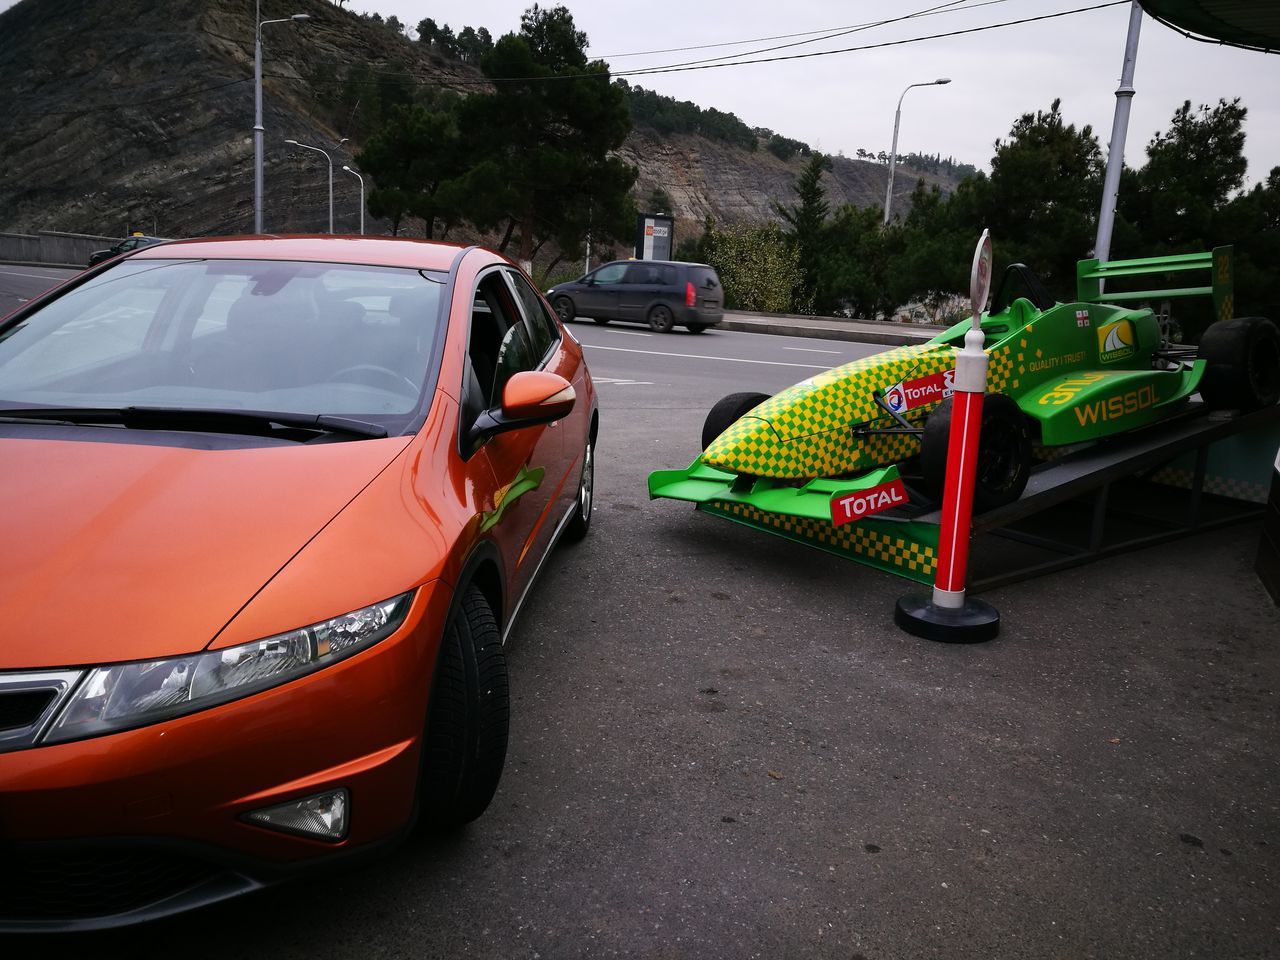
<point>201,419</point>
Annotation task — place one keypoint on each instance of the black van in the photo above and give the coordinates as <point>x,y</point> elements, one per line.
<point>662,293</point>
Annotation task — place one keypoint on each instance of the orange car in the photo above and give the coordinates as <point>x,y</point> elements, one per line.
<point>271,507</point>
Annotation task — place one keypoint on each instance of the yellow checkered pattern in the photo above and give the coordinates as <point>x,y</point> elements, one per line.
<point>1227,308</point>
<point>879,548</point>
<point>804,431</point>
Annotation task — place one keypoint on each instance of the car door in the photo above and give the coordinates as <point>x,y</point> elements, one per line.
<point>599,297</point>
<point>526,462</point>
<point>641,285</point>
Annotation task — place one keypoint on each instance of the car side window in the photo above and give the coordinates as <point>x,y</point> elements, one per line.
<point>643,273</point>
<point>668,276</point>
<point>610,274</point>
<point>543,332</point>
<point>499,344</point>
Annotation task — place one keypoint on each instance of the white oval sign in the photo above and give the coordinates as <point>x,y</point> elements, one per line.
<point>980,275</point>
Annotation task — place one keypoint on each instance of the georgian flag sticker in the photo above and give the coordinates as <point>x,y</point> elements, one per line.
<point>848,507</point>
<point>1082,318</point>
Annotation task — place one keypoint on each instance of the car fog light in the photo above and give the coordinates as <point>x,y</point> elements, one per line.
<point>323,815</point>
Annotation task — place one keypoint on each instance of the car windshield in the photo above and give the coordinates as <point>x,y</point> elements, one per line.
<point>285,336</point>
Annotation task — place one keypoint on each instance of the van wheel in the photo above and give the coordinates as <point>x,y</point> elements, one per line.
<point>1243,369</point>
<point>564,309</point>
<point>727,412</point>
<point>1004,452</point>
<point>661,319</point>
<point>465,744</point>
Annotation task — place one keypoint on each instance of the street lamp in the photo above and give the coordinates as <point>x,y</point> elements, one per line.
<point>325,154</point>
<point>893,153</point>
<point>361,179</point>
<point>257,108</point>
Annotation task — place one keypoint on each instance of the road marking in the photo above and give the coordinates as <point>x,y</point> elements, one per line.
<point>699,356</point>
<point>810,350</point>
<point>629,333</point>
<point>623,383</point>
<point>33,276</point>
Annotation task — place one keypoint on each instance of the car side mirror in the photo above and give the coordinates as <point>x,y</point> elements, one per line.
<point>529,398</point>
<point>589,281</point>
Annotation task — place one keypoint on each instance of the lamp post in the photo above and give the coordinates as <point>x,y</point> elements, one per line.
<point>893,153</point>
<point>347,169</point>
<point>325,154</point>
<point>257,107</point>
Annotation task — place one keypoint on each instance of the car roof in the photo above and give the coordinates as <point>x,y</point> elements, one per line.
<point>371,251</point>
<point>671,263</point>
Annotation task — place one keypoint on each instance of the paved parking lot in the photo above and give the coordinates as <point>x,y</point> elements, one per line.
<point>722,747</point>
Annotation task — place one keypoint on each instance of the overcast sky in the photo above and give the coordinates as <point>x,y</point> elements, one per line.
<point>846,101</point>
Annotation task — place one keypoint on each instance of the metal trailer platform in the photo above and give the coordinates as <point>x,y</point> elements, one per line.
<point>1172,479</point>
<point>1120,494</point>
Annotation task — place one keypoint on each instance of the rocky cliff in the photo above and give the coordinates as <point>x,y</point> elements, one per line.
<point>138,114</point>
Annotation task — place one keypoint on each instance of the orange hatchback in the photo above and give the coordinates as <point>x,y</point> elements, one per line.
<point>272,506</point>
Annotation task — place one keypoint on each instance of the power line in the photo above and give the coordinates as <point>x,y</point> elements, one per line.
<point>828,33</point>
<point>681,68</point>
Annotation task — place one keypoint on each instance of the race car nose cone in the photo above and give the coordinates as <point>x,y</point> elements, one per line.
<point>750,445</point>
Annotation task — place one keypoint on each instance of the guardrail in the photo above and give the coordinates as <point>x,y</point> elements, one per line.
<point>51,247</point>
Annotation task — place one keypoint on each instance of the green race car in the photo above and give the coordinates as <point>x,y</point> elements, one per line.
<point>835,448</point>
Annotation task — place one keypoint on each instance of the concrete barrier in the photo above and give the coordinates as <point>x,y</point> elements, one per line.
<point>52,247</point>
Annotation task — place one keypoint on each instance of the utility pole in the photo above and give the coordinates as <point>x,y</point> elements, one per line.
<point>1119,131</point>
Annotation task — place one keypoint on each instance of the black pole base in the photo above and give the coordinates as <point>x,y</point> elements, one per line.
<point>975,622</point>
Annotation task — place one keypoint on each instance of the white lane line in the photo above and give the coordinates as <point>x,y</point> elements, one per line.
<point>623,383</point>
<point>33,276</point>
<point>811,350</point>
<point>699,356</point>
<point>629,333</point>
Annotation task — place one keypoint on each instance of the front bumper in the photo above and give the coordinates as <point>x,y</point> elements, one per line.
<point>137,824</point>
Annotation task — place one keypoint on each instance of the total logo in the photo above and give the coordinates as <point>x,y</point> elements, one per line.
<point>848,507</point>
<point>909,394</point>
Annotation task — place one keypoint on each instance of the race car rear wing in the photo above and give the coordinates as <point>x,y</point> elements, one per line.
<point>1090,275</point>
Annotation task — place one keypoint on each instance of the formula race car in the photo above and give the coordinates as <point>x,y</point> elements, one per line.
<point>837,447</point>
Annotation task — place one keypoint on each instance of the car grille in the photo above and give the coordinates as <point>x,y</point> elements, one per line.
<point>22,708</point>
<point>48,885</point>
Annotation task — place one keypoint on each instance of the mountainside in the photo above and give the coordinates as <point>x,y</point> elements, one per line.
<point>138,114</point>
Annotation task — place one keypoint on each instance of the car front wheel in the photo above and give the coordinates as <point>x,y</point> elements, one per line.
<point>581,521</point>
<point>465,744</point>
<point>564,309</point>
<point>1004,452</point>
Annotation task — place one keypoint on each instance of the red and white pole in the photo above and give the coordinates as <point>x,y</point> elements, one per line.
<point>949,615</point>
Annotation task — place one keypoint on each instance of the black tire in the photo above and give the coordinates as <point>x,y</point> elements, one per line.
<point>1004,452</point>
<point>577,528</point>
<point>601,320</point>
<point>465,744</point>
<point>1243,371</point>
<point>727,412</point>
<point>697,328</point>
<point>661,319</point>
<point>564,309</point>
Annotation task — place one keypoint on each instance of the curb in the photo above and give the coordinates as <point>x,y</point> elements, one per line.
<point>895,338</point>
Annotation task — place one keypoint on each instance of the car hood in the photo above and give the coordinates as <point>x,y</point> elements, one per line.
<point>122,551</point>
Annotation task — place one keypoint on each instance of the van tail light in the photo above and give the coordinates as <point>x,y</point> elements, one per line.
<point>690,295</point>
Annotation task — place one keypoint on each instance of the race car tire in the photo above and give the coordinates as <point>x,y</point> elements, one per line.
<point>1243,369</point>
<point>726,412</point>
<point>564,309</point>
<point>578,526</point>
<point>1004,452</point>
<point>661,319</point>
<point>465,742</point>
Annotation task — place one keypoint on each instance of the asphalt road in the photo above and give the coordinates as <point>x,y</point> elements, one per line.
<point>723,748</point>
<point>20,284</point>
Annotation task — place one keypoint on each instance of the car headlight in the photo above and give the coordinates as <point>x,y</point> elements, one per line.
<point>125,695</point>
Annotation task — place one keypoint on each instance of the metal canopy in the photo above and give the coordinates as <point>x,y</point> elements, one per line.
<point>1254,24</point>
